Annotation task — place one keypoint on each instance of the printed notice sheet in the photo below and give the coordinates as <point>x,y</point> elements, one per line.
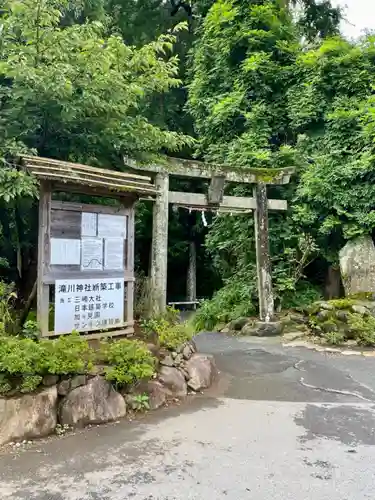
<point>112,226</point>
<point>65,252</point>
<point>114,253</point>
<point>89,223</point>
<point>92,254</point>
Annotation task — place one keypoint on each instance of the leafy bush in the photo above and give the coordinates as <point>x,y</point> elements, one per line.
<point>173,336</point>
<point>363,328</point>
<point>30,383</point>
<point>28,360</point>
<point>170,333</point>
<point>233,301</point>
<point>67,355</point>
<point>158,323</point>
<point>130,361</point>
<point>334,338</point>
<point>140,402</point>
<point>7,297</point>
<point>31,330</point>
<point>21,356</point>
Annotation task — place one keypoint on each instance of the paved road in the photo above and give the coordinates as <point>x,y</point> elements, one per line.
<point>283,423</point>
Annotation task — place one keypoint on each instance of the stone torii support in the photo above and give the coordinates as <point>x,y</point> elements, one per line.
<point>215,199</point>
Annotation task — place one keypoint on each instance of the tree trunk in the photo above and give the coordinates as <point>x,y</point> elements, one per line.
<point>333,283</point>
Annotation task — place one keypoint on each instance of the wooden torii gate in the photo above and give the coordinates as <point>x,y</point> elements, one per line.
<point>214,199</point>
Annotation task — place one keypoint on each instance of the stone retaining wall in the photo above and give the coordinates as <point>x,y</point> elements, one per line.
<point>82,400</point>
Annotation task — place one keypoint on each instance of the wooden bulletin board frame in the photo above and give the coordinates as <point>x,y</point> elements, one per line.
<point>61,226</point>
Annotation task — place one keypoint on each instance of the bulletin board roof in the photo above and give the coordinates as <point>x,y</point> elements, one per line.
<point>74,174</point>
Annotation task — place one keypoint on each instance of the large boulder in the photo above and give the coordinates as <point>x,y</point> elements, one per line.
<point>94,403</point>
<point>173,379</point>
<point>263,329</point>
<point>28,416</point>
<point>157,393</point>
<point>202,371</point>
<point>357,265</point>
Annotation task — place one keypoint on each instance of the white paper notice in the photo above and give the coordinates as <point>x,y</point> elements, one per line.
<point>89,224</point>
<point>114,253</point>
<point>92,253</point>
<point>112,226</point>
<point>65,252</point>
<point>91,304</point>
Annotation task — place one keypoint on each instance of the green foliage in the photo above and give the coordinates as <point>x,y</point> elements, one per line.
<point>68,354</point>
<point>363,328</point>
<point>170,333</point>
<point>21,356</point>
<point>334,338</point>
<point>5,385</point>
<point>7,298</point>
<point>30,383</point>
<point>140,402</point>
<point>173,336</point>
<point>31,330</point>
<point>130,361</point>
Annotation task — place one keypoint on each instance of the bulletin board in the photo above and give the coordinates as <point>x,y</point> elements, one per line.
<point>88,267</point>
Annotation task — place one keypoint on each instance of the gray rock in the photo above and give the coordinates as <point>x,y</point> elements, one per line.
<point>187,351</point>
<point>263,329</point>
<point>28,416</point>
<point>49,380</point>
<point>193,345</point>
<point>167,361</point>
<point>357,265</point>
<point>157,394</point>
<point>178,360</point>
<point>77,381</point>
<point>172,379</point>
<point>326,306</point>
<point>202,371</point>
<point>94,403</point>
<point>64,387</point>
<point>324,315</point>
<point>184,372</point>
<point>291,336</point>
<point>362,310</point>
<point>238,324</point>
<point>342,316</point>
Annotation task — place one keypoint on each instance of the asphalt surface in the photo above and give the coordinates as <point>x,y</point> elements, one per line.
<point>282,423</point>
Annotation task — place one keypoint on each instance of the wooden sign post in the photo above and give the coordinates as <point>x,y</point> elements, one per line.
<point>86,251</point>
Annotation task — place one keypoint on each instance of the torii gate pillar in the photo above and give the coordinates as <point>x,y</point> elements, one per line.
<point>266,302</point>
<point>159,250</point>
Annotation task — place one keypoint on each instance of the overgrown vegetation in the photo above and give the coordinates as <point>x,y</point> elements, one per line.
<point>129,360</point>
<point>256,83</point>
<point>167,330</point>
<point>24,362</point>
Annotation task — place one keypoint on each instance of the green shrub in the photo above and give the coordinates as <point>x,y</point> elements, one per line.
<point>173,336</point>
<point>21,356</point>
<point>30,383</point>
<point>7,298</point>
<point>130,361</point>
<point>362,328</point>
<point>5,385</point>
<point>334,338</point>
<point>233,301</point>
<point>31,330</point>
<point>158,323</point>
<point>66,355</point>
<point>140,402</point>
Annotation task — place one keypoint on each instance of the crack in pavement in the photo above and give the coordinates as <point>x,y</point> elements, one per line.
<point>331,390</point>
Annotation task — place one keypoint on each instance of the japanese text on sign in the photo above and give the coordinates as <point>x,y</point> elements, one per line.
<point>90,304</point>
